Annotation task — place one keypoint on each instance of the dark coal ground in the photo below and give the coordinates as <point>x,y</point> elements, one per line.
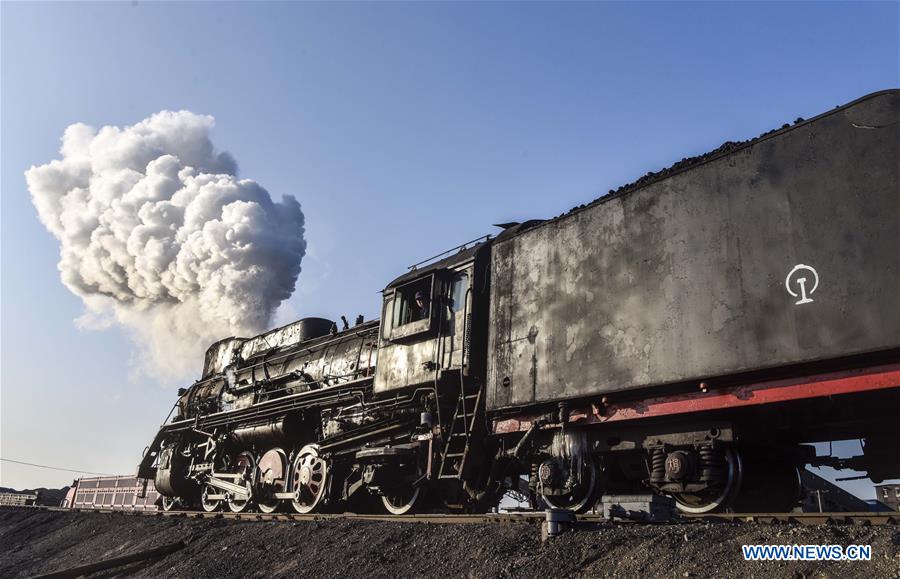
<point>34,542</point>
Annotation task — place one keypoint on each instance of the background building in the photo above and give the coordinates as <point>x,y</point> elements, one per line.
<point>888,495</point>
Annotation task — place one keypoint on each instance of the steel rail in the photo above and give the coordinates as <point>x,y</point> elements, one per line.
<point>855,518</point>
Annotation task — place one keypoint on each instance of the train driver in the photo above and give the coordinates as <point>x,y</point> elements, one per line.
<point>422,306</point>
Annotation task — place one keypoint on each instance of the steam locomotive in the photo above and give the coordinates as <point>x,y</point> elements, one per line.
<point>691,334</point>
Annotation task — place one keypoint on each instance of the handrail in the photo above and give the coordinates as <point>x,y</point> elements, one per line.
<point>443,253</point>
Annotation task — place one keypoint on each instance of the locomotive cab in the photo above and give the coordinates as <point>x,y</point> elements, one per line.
<point>427,322</point>
<point>431,352</point>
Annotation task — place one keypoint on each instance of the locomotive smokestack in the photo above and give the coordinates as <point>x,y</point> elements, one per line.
<point>157,233</point>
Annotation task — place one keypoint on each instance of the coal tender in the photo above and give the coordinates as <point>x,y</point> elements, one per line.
<point>775,259</point>
<point>782,252</point>
<point>690,334</point>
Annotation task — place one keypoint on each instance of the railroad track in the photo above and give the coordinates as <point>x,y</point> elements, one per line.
<point>862,518</point>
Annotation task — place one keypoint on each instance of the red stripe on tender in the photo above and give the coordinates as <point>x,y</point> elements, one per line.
<point>847,382</point>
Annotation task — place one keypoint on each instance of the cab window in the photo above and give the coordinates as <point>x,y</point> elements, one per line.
<point>456,298</point>
<point>458,292</point>
<point>412,302</point>
<point>387,318</point>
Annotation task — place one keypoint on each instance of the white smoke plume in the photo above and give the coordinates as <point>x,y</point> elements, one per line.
<point>158,233</point>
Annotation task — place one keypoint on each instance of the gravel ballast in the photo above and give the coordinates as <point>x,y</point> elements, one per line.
<point>36,542</point>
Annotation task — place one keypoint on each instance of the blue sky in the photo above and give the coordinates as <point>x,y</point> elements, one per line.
<point>402,129</point>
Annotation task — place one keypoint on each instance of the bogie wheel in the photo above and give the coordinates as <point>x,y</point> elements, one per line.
<point>209,505</point>
<point>404,497</point>
<point>719,498</point>
<point>267,506</point>
<point>403,502</point>
<point>582,497</point>
<point>309,479</point>
<point>169,503</point>
<point>244,465</point>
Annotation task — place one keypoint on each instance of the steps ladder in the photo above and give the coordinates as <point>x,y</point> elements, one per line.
<point>453,458</point>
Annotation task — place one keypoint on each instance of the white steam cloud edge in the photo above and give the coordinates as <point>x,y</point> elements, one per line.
<point>158,234</point>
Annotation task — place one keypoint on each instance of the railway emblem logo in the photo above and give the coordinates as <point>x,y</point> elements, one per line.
<point>799,278</point>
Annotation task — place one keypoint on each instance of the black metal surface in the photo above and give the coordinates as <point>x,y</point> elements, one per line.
<point>684,278</point>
